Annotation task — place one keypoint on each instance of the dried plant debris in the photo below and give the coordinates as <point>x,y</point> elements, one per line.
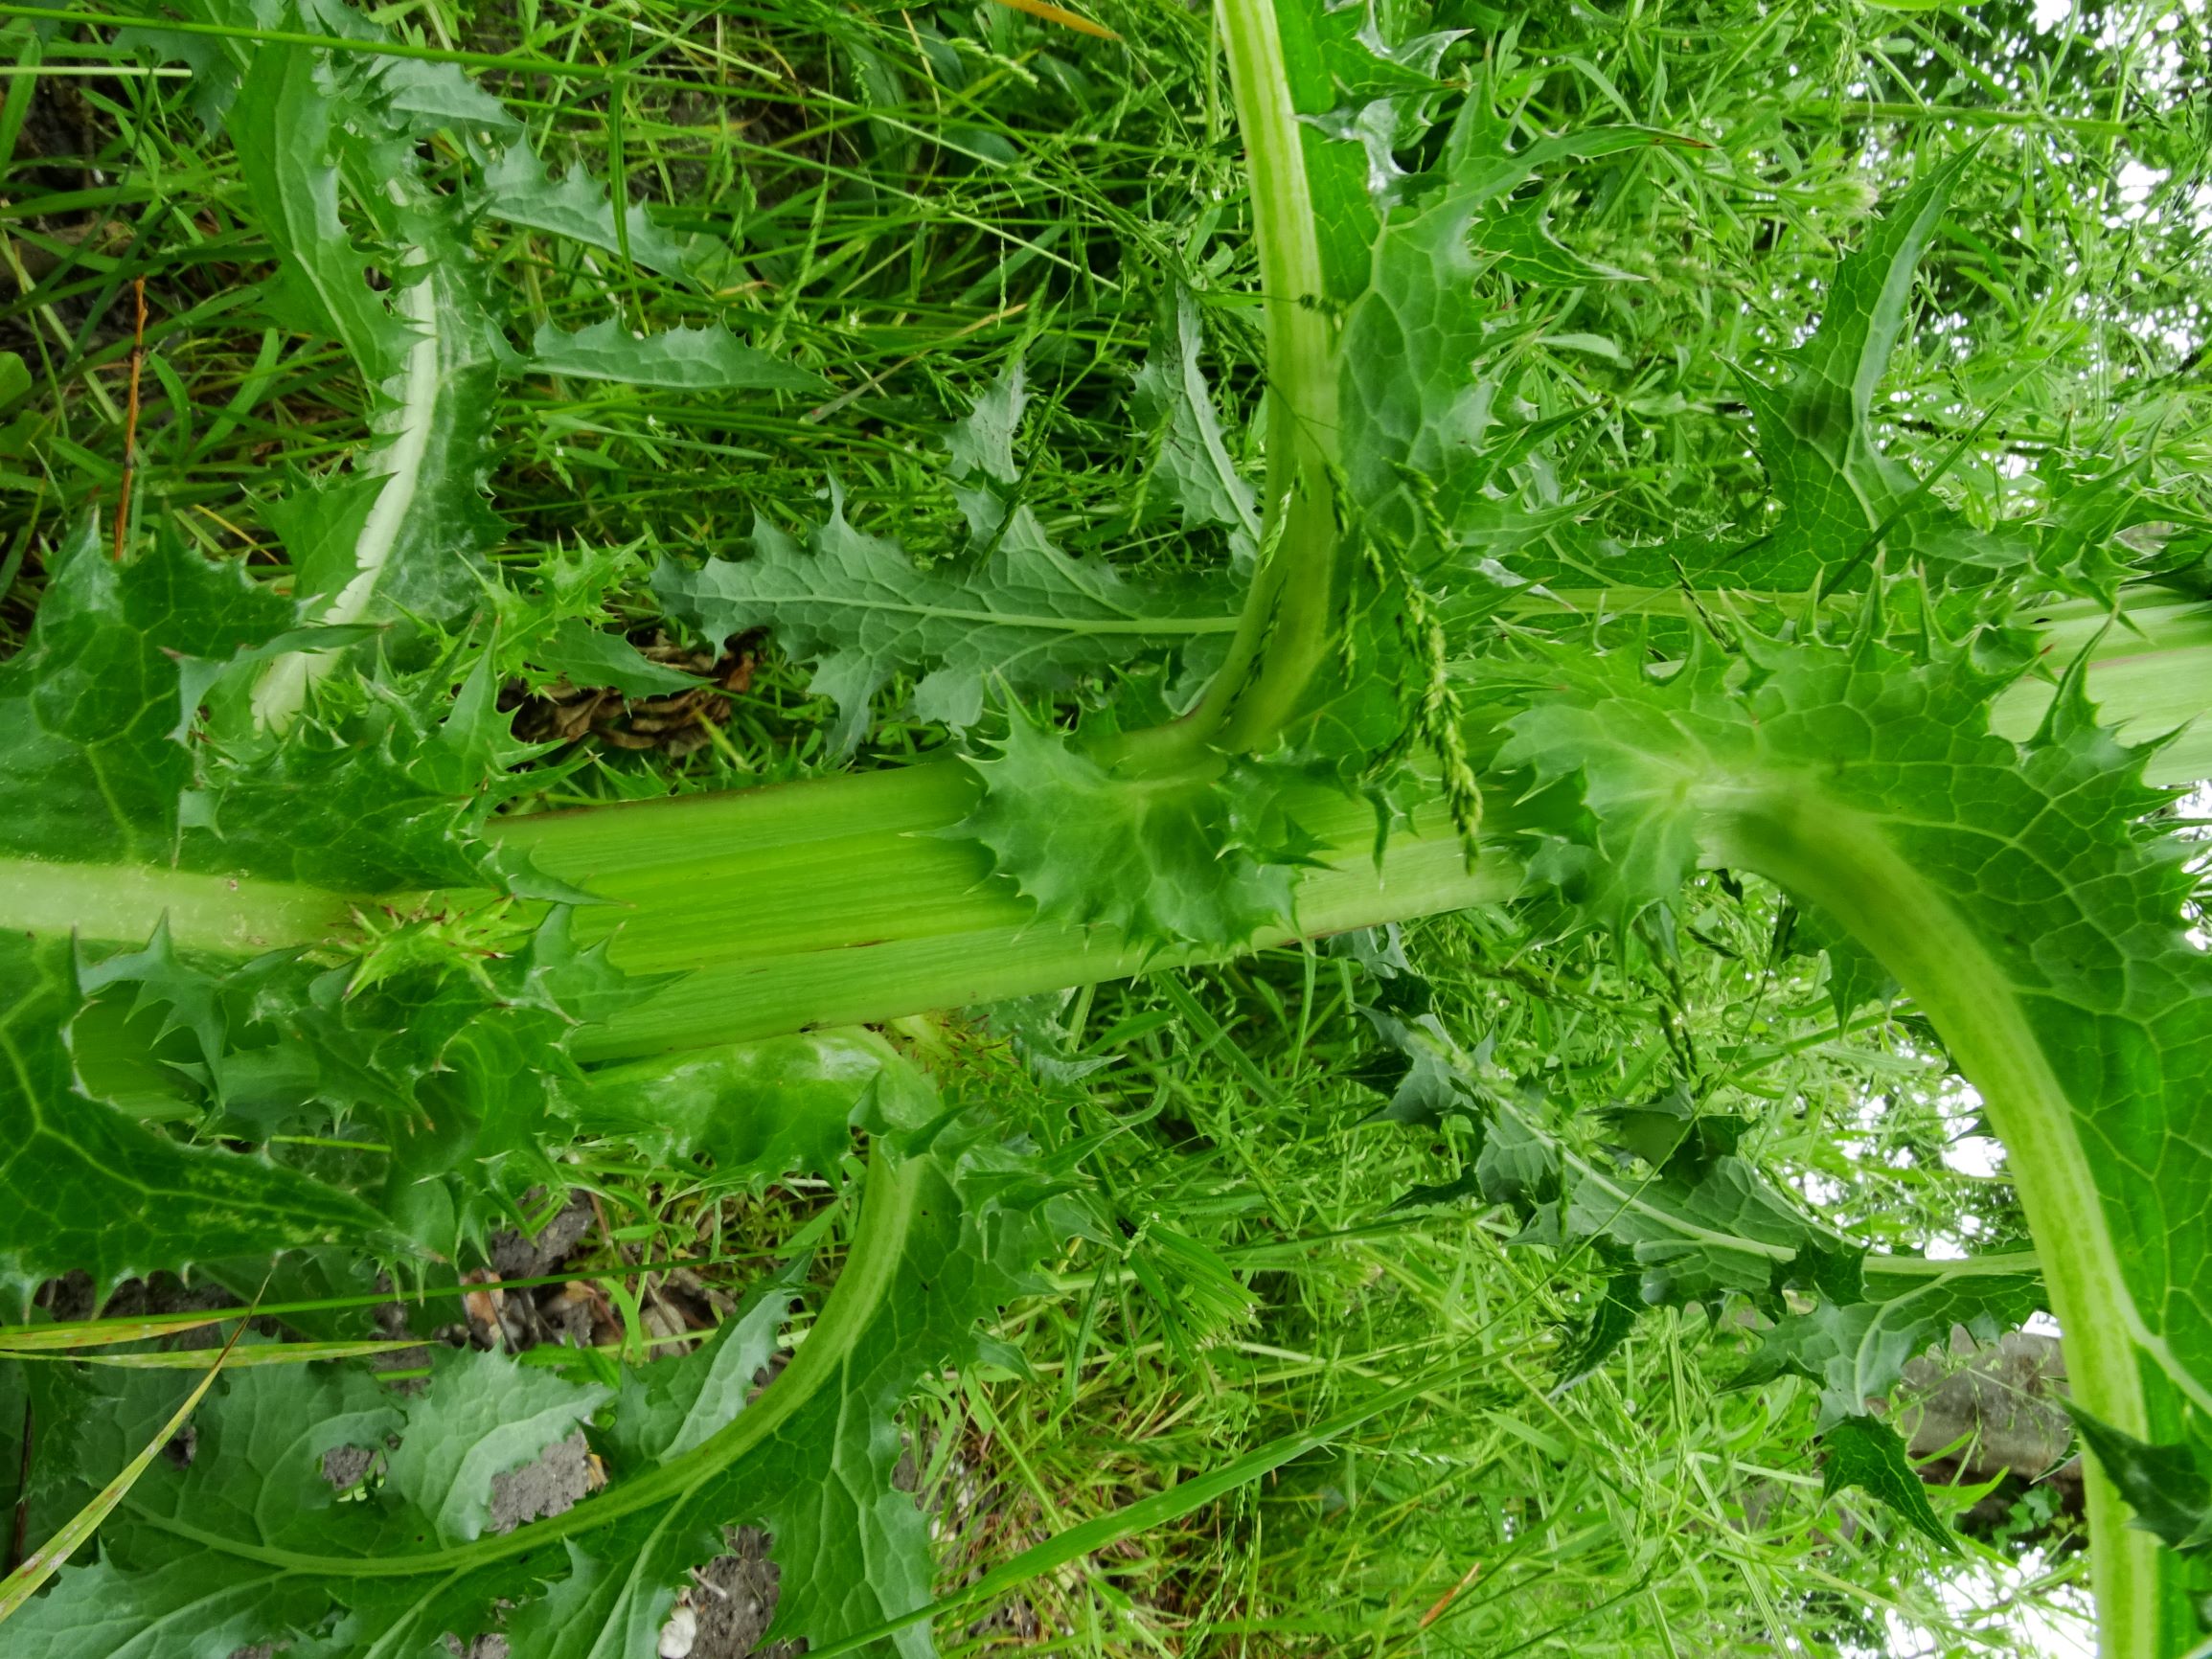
<point>673,724</point>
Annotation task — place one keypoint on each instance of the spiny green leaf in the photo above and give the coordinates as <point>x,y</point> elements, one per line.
<point>311,128</point>
<point>320,521</point>
<point>1838,490</point>
<point>2166,1486</point>
<point>584,657</point>
<point>287,132</point>
<point>272,1428</point>
<point>1520,244</point>
<point>1869,734</point>
<point>1696,1222</point>
<point>1857,1351</point>
<point>438,1045</point>
<point>758,1110</point>
<point>424,97</point>
<point>91,766</point>
<point>1346,79</point>
<point>1192,466</point>
<point>1842,500</point>
<point>1619,1305</point>
<point>704,359</point>
<point>1695,1228</point>
<point>982,441</point>
<point>670,1408</point>
<point>1865,1452</point>
<point>1855,978</point>
<point>101,769</point>
<point>309,131</point>
<point>1025,615</point>
<point>517,190</point>
<point>1412,406</point>
<point>106,777</point>
<point>85,1186</point>
<point>1178,857</point>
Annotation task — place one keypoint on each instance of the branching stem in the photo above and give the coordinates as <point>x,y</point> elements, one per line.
<point>1289,620</point>
<point>842,899</point>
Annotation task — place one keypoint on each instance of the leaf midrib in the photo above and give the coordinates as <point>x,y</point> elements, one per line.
<point>1027,621</point>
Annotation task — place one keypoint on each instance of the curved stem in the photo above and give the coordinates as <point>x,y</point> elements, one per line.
<point>887,1211</point>
<point>1843,863</point>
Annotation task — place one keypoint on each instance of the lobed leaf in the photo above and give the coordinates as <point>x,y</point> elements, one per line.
<point>2165,1484</point>
<point>249,1544</point>
<point>110,784</point>
<point>1192,855</point>
<point>706,359</point>
<point>1192,464</point>
<point>517,190</point>
<point>1867,1453</point>
<point>1698,1223</point>
<point>1412,408</point>
<point>584,657</point>
<point>1023,614</point>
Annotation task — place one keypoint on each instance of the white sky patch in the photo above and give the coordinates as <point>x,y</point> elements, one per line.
<point>1975,1156</point>
<point>2047,1629</point>
<point>2199,804</point>
<point>2136,182</point>
<point>1987,1600</point>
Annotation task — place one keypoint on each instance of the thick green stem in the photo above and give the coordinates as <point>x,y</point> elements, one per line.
<point>123,903</point>
<point>1848,867</point>
<point>829,903</point>
<point>836,903</point>
<point>846,899</point>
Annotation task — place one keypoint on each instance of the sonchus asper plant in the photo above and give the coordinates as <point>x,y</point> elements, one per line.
<point>279,972</point>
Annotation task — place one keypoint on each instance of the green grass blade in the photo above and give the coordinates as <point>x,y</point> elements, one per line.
<point>1106,1531</point>
<point>44,1561</point>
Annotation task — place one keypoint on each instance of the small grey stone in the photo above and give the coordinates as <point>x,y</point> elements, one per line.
<point>554,1483</point>
<point>344,1466</point>
<point>735,1601</point>
<point>516,1255</point>
<point>2002,1398</point>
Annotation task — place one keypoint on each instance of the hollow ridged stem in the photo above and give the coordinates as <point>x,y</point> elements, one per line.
<point>814,904</point>
<point>845,899</point>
